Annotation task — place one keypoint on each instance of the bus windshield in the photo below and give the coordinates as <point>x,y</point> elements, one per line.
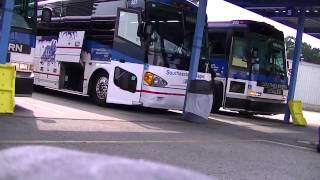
<point>24,14</point>
<point>267,56</point>
<point>170,43</point>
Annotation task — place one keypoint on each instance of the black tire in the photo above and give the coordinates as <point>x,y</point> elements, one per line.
<point>46,15</point>
<point>99,88</point>
<point>217,97</point>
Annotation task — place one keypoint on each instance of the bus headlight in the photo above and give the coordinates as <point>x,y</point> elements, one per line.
<point>254,94</point>
<point>154,80</point>
<point>159,82</point>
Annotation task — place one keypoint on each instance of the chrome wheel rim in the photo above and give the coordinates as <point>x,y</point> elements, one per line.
<point>102,88</point>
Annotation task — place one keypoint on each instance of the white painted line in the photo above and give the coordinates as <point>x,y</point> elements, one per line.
<point>285,144</point>
<point>94,142</point>
<point>151,142</point>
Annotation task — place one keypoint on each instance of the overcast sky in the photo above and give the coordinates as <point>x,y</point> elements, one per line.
<point>219,10</point>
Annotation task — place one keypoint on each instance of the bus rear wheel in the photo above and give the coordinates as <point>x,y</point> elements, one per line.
<point>100,89</point>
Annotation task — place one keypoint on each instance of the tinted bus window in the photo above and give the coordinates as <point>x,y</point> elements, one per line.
<point>217,44</point>
<point>23,14</point>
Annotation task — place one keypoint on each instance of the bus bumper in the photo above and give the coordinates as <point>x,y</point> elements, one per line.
<point>162,101</point>
<point>257,105</point>
<point>162,98</point>
<point>24,84</point>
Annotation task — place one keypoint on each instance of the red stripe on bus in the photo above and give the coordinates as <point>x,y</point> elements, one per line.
<point>161,93</point>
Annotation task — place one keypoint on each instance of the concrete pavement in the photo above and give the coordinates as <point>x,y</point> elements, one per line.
<point>228,147</point>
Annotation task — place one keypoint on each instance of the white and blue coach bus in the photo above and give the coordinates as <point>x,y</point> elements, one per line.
<point>133,52</point>
<point>22,43</point>
<point>250,63</point>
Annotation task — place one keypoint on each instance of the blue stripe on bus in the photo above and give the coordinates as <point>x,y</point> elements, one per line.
<point>118,56</point>
<point>89,44</point>
<point>98,51</point>
<point>23,38</point>
<point>236,74</point>
<point>220,66</point>
<point>276,79</point>
<point>102,52</point>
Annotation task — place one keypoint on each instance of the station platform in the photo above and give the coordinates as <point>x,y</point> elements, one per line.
<point>230,146</point>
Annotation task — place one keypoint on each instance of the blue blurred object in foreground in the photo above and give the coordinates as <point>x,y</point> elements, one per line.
<point>41,162</point>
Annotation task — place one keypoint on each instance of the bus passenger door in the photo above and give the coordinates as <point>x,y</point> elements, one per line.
<point>128,54</point>
<point>238,76</point>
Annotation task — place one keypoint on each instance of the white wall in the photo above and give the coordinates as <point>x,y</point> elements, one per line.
<point>308,85</point>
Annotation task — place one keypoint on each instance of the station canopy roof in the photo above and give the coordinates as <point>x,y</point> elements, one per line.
<point>286,12</point>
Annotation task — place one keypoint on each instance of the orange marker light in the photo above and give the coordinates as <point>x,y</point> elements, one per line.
<point>148,78</point>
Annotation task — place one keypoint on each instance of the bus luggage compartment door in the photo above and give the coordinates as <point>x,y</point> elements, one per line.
<point>125,83</point>
<point>69,46</point>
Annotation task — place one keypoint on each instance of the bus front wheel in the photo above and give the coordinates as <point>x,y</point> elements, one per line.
<point>100,88</point>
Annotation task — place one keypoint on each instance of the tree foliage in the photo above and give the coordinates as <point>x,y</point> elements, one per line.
<point>308,54</point>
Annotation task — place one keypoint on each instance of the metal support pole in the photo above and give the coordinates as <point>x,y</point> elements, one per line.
<point>196,48</point>
<point>6,18</point>
<point>295,63</point>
